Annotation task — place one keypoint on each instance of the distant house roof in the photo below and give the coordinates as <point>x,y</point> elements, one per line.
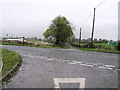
<point>15,40</point>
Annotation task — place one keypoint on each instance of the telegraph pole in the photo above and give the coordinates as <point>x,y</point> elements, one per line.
<point>23,39</point>
<point>80,38</point>
<point>93,26</point>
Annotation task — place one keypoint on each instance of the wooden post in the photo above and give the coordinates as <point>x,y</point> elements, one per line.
<point>23,39</point>
<point>80,38</point>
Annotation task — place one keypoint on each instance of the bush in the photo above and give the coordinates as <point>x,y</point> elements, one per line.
<point>118,46</point>
<point>88,45</point>
<point>74,44</point>
<point>99,46</point>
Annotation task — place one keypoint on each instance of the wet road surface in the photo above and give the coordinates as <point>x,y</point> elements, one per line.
<point>41,66</point>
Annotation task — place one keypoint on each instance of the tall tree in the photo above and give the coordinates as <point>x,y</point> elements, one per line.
<point>59,30</point>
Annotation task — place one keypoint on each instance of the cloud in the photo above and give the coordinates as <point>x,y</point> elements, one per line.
<point>34,16</point>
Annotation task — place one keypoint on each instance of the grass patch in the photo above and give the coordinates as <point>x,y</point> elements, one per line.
<point>40,46</point>
<point>97,50</point>
<point>9,59</point>
<point>105,45</point>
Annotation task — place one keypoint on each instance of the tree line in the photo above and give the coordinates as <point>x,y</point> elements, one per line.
<point>60,32</point>
<point>95,40</point>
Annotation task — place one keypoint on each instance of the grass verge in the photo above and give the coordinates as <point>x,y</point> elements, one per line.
<point>40,46</point>
<point>97,50</point>
<point>11,63</point>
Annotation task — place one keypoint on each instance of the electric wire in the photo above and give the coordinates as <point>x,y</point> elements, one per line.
<point>91,14</point>
<point>100,4</point>
<point>87,19</point>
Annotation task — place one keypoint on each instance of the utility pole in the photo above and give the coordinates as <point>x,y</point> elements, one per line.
<point>11,36</point>
<point>80,38</point>
<point>93,26</point>
<point>7,36</point>
<point>23,39</point>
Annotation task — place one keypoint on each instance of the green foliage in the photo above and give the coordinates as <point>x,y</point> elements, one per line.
<point>60,31</point>
<point>9,59</point>
<point>97,50</point>
<point>39,46</point>
<point>88,45</point>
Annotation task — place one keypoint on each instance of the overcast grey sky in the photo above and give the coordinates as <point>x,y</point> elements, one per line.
<point>31,18</point>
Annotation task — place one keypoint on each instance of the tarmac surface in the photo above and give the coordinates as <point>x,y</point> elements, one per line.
<point>48,67</point>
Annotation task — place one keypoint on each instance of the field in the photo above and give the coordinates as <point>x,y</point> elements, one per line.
<point>33,43</point>
<point>104,45</point>
<point>104,48</point>
<point>100,47</point>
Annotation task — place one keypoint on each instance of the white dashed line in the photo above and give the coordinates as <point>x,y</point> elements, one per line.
<point>72,63</point>
<point>50,59</point>
<point>87,64</point>
<point>102,67</point>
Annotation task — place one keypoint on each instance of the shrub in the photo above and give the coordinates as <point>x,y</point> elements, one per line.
<point>88,45</point>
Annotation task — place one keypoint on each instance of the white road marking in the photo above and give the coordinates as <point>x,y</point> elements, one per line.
<point>72,63</point>
<point>43,57</point>
<point>50,59</point>
<point>69,80</point>
<point>102,67</point>
<point>110,66</point>
<point>65,60</point>
<point>79,62</point>
<point>87,64</point>
<point>76,62</point>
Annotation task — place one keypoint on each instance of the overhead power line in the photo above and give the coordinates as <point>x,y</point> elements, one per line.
<point>91,13</point>
<point>100,4</point>
<point>115,3</point>
<point>87,18</point>
<point>93,27</point>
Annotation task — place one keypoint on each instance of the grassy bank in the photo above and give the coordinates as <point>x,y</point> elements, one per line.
<point>40,46</point>
<point>104,45</point>
<point>9,59</point>
<point>99,49</point>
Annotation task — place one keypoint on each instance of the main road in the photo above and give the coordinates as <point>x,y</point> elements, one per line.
<point>46,67</point>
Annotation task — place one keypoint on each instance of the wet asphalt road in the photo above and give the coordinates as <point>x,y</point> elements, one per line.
<point>41,65</point>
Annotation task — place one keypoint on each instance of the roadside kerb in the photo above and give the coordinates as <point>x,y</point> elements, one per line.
<point>9,71</point>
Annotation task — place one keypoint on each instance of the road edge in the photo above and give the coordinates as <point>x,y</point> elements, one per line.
<point>12,72</point>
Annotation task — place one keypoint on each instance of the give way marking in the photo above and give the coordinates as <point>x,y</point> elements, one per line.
<point>81,82</point>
